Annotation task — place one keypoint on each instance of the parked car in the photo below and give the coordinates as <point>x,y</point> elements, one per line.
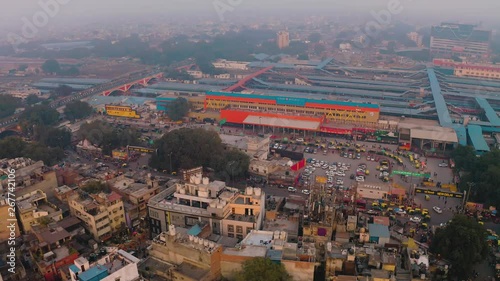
<point>415,219</point>
<point>306,192</point>
<point>443,165</point>
<point>292,189</point>
<point>437,209</point>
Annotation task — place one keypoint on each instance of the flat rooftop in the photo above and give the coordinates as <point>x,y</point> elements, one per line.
<point>247,251</point>
<point>258,238</point>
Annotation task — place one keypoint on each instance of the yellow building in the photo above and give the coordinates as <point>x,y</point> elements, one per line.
<point>475,70</point>
<point>34,209</point>
<point>102,214</point>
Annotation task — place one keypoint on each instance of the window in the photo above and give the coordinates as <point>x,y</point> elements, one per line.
<point>239,236</point>
<point>230,228</point>
<point>231,235</point>
<point>239,229</point>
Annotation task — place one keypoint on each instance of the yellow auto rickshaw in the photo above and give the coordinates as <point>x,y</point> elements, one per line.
<point>427,198</point>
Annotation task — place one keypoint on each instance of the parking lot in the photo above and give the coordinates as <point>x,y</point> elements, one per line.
<point>323,166</point>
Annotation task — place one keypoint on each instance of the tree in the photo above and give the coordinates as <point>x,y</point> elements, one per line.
<point>463,243</point>
<point>95,187</point>
<point>303,57</point>
<point>314,37</point>
<point>178,109</point>
<point>53,137</point>
<point>8,105</point>
<point>51,66</point>
<point>32,99</point>
<point>108,137</point>
<point>38,115</point>
<point>188,148</point>
<point>22,67</point>
<point>72,71</point>
<point>63,91</point>
<point>12,147</point>
<point>77,110</point>
<point>257,269</point>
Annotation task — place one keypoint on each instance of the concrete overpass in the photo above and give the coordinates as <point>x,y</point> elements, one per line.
<point>126,86</point>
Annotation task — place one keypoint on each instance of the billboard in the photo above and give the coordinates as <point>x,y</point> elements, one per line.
<point>141,149</point>
<point>121,111</point>
<point>122,155</point>
<point>439,193</point>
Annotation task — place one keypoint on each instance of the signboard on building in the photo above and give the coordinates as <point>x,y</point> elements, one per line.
<point>121,111</point>
<point>141,149</point>
<point>121,155</point>
<point>186,174</point>
<point>439,193</point>
<point>410,174</point>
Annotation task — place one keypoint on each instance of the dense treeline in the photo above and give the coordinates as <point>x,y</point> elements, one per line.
<point>482,173</point>
<point>107,136</point>
<point>13,147</point>
<point>188,148</point>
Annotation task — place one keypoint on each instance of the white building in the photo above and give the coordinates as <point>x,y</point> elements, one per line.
<point>226,64</point>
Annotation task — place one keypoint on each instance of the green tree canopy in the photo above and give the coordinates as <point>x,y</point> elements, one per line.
<point>188,148</point>
<point>95,187</point>
<point>481,171</point>
<point>51,66</point>
<point>258,269</point>
<point>77,110</point>
<point>63,91</point>
<point>463,243</point>
<point>53,137</point>
<point>314,37</point>
<point>38,115</point>
<point>178,109</point>
<point>108,137</point>
<point>32,99</point>
<point>12,147</point>
<point>8,105</point>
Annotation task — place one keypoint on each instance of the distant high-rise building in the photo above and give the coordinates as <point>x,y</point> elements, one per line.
<point>283,39</point>
<point>466,40</point>
<point>415,37</point>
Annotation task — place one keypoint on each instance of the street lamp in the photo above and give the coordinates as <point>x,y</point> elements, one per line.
<point>467,195</point>
<point>170,156</point>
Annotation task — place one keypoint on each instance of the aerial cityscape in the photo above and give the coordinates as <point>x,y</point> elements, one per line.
<point>285,140</point>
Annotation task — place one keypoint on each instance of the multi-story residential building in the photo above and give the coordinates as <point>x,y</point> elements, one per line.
<point>116,265</point>
<point>466,40</point>
<point>283,39</point>
<point>187,204</point>
<point>51,249</point>
<point>102,214</point>
<point>415,37</point>
<point>34,208</point>
<point>177,256</point>
<point>136,195</point>
<point>247,213</point>
<point>255,147</point>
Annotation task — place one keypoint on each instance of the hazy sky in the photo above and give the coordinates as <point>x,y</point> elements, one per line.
<point>457,10</point>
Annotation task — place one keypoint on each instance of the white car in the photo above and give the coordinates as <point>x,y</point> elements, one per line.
<point>300,140</point>
<point>341,174</point>
<point>443,165</point>
<point>415,219</point>
<point>401,212</point>
<point>360,179</point>
<point>292,189</point>
<point>306,192</point>
<point>437,209</point>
